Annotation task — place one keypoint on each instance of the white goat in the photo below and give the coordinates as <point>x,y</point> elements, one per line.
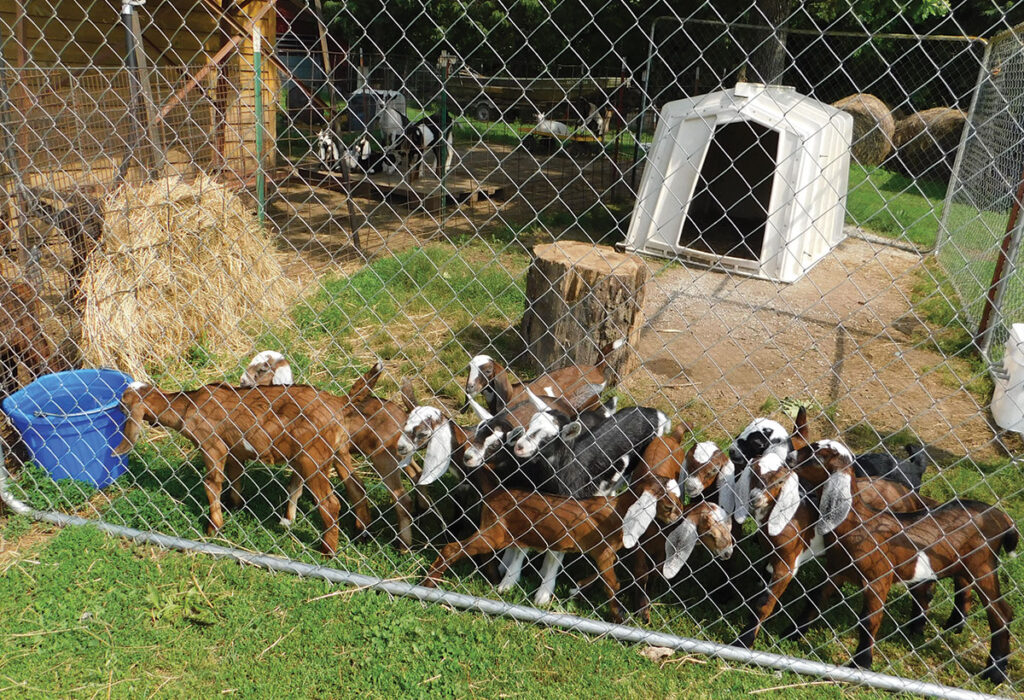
<point>550,127</point>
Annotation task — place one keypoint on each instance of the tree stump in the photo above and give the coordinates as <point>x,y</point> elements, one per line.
<point>581,297</point>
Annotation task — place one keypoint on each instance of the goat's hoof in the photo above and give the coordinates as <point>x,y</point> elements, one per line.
<point>956,626</point>
<point>542,601</point>
<point>916,628</point>
<point>793,633</point>
<point>745,640</point>
<point>286,523</point>
<point>860,661</point>
<point>429,582</point>
<point>996,671</point>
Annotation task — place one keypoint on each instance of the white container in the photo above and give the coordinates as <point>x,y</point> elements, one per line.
<point>753,179</point>
<point>1008,396</point>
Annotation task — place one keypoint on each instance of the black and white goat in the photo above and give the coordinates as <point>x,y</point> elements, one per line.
<point>330,149</point>
<point>392,125</point>
<point>420,139</point>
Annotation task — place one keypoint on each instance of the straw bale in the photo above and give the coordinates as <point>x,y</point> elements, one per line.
<point>927,141</point>
<point>873,127</point>
<point>179,263</point>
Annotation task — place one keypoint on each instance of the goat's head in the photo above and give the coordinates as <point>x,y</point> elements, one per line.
<point>704,521</point>
<point>657,498</point>
<point>481,371</point>
<point>544,427</point>
<point>828,464</point>
<point>770,490</point>
<point>426,425</point>
<point>267,368</point>
<point>705,464</point>
<point>762,436</point>
<point>135,410</point>
<point>489,435</point>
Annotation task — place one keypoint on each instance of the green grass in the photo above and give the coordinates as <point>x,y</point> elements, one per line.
<point>86,615</point>
<point>895,206</point>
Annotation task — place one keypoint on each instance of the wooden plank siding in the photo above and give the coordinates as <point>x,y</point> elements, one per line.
<point>79,93</point>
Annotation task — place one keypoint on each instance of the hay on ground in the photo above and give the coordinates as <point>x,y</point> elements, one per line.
<point>179,264</point>
<point>873,127</point>
<point>926,143</point>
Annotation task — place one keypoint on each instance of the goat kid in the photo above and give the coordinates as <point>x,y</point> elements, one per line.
<point>784,501</point>
<point>599,527</point>
<point>377,433</point>
<point>22,340</point>
<point>876,548</point>
<point>293,425</point>
<point>580,386</point>
<point>666,458</point>
<point>267,368</point>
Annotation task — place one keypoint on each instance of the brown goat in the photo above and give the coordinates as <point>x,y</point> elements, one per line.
<point>877,548</point>
<point>787,520</point>
<point>579,386</point>
<point>667,458</point>
<point>376,433</point>
<point>297,425</point>
<point>597,526</point>
<point>22,340</point>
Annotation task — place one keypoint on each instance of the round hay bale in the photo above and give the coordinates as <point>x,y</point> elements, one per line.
<point>926,143</point>
<point>873,127</point>
<point>178,264</point>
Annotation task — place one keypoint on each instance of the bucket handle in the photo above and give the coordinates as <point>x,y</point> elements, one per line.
<point>101,409</point>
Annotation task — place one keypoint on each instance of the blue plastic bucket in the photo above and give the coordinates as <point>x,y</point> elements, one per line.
<point>71,422</point>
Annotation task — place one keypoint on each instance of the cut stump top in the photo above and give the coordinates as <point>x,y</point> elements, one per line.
<point>598,258</point>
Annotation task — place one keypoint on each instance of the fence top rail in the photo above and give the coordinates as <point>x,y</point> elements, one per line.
<point>836,32</point>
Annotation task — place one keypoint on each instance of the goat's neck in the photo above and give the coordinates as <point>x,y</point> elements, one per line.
<point>500,389</point>
<point>167,410</point>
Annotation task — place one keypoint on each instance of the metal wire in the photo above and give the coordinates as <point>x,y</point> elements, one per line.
<point>757,247</point>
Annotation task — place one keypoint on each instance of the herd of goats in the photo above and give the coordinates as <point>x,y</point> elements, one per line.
<point>405,145</point>
<point>550,468</point>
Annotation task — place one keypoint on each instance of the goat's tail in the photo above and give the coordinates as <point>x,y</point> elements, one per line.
<point>1010,540</point>
<point>602,362</point>
<point>916,455</point>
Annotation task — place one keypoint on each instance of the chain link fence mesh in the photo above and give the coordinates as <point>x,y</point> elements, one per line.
<point>144,231</point>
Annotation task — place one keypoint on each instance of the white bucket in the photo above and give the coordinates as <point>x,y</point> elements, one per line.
<point>1008,397</point>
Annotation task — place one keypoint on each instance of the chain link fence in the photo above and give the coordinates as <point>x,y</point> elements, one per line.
<point>610,212</point>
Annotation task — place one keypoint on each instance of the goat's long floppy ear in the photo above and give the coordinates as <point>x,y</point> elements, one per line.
<point>836,502</point>
<point>537,402</point>
<point>408,395</point>
<point>134,409</point>
<point>363,386</point>
<point>438,456</point>
<point>727,488</point>
<point>638,518</point>
<point>481,412</point>
<point>571,431</point>
<point>681,430</point>
<point>741,506</point>
<point>785,505</point>
<point>678,547</point>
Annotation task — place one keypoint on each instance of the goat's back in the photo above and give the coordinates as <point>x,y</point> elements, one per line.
<point>543,521</point>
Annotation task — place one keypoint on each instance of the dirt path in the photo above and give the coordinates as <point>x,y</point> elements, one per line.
<point>842,336</point>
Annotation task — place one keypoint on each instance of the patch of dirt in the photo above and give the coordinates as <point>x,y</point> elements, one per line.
<point>842,336</point>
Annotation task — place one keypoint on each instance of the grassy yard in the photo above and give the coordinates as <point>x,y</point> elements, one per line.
<point>138,616</point>
<point>87,615</point>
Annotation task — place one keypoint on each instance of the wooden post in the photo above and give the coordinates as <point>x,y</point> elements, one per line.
<point>581,297</point>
